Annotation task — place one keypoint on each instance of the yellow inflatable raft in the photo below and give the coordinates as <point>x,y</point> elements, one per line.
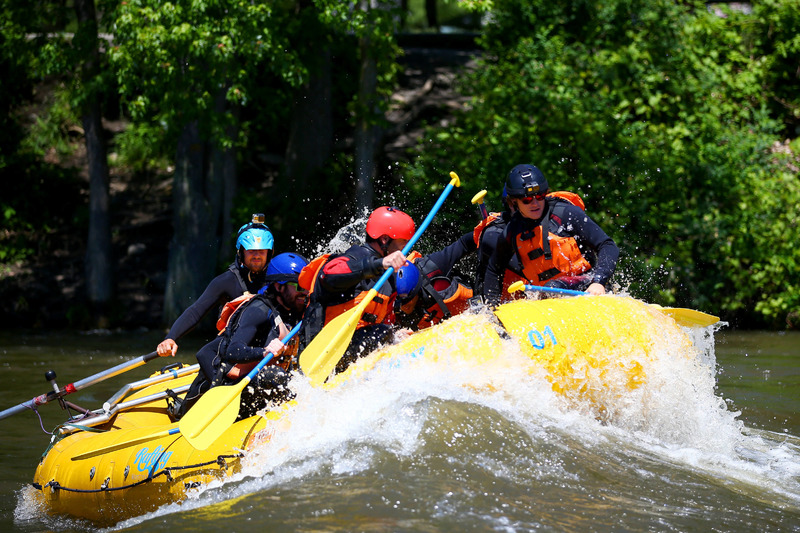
<point>592,350</point>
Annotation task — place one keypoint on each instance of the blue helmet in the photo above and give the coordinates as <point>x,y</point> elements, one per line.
<point>406,280</point>
<point>285,267</point>
<point>254,235</point>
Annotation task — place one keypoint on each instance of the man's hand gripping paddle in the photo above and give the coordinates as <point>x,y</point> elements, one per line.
<point>217,409</point>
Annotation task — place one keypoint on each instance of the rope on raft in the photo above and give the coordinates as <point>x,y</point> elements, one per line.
<point>220,460</point>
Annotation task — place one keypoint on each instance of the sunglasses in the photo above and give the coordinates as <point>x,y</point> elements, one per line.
<point>296,285</point>
<point>529,199</point>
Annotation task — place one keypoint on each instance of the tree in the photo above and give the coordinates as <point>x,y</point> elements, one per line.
<point>98,251</point>
<point>657,113</point>
<point>374,24</point>
<point>188,68</point>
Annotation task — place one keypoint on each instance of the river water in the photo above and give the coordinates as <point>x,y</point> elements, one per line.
<point>472,449</point>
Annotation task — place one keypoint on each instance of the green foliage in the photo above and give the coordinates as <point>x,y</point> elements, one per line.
<point>38,196</point>
<point>51,130</point>
<point>654,112</point>
<point>140,147</point>
<point>174,61</point>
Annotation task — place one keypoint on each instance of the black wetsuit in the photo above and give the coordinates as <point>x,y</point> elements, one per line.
<point>251,328</point>
<point>491,235</point>
<point>229,285</point>
<point>570,221</point>
<point>441,263</point>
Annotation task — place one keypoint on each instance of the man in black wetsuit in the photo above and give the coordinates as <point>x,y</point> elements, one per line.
<point>555,241</point>
<point>254,245</point>
<point>341,282</point>
<point>254,331</point>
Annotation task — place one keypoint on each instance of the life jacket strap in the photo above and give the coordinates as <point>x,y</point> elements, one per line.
<point>547,274</point>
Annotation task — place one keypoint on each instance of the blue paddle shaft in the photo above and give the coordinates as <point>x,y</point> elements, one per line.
<point>555,290</point>
<point>268,358</point>
<point>418,234</point>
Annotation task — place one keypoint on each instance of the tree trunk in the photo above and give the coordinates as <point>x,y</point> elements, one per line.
<point>431,14</point>
<point>197,208</point>
<point>225,168</point>
<point>368,134</point>
<point>311,131</point>
<point>98,252</point>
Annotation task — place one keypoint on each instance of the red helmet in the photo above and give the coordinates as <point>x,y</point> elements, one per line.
<point>390,221</point>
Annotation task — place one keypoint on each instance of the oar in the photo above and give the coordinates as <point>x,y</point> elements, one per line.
<point>685,317</point>
<point>478,199</point>
<point>126,444</point>
<point>78,385</point>
<point>217,409</point>
<point>320,357</point>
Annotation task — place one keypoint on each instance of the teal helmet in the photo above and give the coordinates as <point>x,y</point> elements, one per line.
<point>254,235</point>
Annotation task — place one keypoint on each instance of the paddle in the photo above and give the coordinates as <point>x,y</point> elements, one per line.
<point>217,409</point>
<point>125,444</point>
<point>685,317</point>
<point>323,353</point>
<point>478,199</point>
<point>78,385</point>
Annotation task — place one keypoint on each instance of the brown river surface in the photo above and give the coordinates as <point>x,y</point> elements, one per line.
<point>420,452</point>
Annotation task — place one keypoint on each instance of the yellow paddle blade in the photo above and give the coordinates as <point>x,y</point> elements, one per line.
<point>689,317</point>
<point>320,357</point>
<point>214,412</point>
<point>125,444</point>
<point>516,286</point>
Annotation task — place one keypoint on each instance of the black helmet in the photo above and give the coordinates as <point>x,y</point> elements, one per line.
<point>526,180</point>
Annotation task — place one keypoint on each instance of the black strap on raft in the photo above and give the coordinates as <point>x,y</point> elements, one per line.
<point>220,460</point>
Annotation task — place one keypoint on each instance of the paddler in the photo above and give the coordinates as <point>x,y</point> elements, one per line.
<point>428,291</point>
<point>556,243</point>
<point>253,330</point>
<point>254,243</point>
<point>338,283</point>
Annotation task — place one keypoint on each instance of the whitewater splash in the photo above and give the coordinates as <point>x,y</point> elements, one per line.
<point>503,411</point>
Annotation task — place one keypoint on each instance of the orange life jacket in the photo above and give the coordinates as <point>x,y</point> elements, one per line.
<point>450,297</point>
<point>543,260</point>
<point>375,312</point>
<point>444,297</point>
<point>228,309</point>
<point>478,231</point>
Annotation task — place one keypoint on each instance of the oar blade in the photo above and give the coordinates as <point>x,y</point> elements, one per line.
<point>689,317</point>
<point>323,353</point>
<point>214,412</point>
